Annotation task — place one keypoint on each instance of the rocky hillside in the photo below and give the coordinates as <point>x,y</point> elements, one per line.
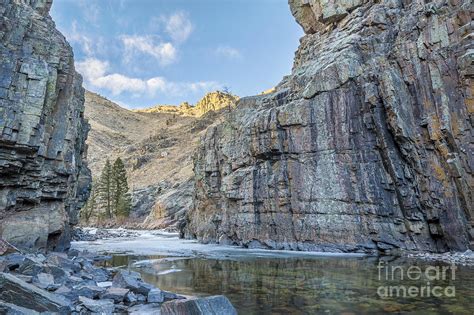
<point>43,177</point>
<point>366,146</point>
<point>157,146</point>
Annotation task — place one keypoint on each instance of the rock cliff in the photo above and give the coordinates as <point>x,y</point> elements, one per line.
<point>43,177</point>
<point>367,146</point>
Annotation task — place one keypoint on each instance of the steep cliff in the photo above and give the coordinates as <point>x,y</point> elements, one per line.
<point>366,146</point>
<point>43,177</point>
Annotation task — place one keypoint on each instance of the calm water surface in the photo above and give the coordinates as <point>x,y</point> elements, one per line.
<point>312,285</point>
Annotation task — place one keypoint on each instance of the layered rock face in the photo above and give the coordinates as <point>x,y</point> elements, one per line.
<point>367,145</point>
<point>43,178</point>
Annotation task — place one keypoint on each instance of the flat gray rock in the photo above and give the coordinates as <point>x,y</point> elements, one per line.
<point>14,290</point>
<point>155,296</point>
<point>12,309</point>
<point>213,305</point>
<point>116,294</point>
<point>98,306</point>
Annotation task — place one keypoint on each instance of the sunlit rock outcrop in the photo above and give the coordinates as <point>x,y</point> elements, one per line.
<point>43,178</point>
<point>366,146</point>
<point>212,101</point>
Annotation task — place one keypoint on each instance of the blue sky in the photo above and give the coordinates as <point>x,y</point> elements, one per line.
<point>145,52</point>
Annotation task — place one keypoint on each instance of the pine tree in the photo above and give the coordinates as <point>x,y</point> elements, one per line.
<point>121,197</point>
<point>105,189</point>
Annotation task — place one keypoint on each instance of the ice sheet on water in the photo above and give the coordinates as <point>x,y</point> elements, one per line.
<point>165,272</point>
<point>169,244</point>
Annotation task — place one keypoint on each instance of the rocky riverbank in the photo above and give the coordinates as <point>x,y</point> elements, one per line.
<point>94,234</point>
<point>459,258</point>
<point>71,283</point>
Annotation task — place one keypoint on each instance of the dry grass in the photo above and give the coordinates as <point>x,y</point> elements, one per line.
<point>155,146</point>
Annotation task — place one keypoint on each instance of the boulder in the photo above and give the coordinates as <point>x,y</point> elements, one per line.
<point>98,306</point>
<point>63,261</point>
<point>213,305</point>
<point>130,298</point>
<point>30,267</point>
<point>145,309</point>
<point>144,288</point>
<point>16,291</point>
<point>43,280</point>
<point>155,296</point>
<point>12,309</point>
<point>89,291</point>
<point>127,279</point>
<point>13,261</point>
<point>59,274</point>
<point>116,294</point>
<point>68,293</point>
<point>99,275</point>
<point>171,296</point>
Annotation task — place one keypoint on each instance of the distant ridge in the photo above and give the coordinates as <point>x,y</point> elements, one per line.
<point>211,101</point>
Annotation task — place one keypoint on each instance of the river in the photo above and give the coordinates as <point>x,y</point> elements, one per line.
<point>285,282</point>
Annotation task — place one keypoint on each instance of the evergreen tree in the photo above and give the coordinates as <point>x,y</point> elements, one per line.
<point>105,189</point>
<point>121,196</point>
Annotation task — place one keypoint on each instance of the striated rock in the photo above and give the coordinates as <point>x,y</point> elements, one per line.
<point>115,294</point>
<point>144,309</point>
<point>143,201</point>
<point>132,281</point>
<point>367,145</point>
<point>18,292</point>
<point>213,305</point>
<point>89,291</point>
<point>43,177</point>
<point>12,309</point>
<point>60,288</point>
<point>155,296</point>
<point>170,207</point>
<point>98,306</point>
<point>43,280</point>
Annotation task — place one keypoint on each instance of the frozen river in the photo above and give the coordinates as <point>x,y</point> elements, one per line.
<point>285,282</point>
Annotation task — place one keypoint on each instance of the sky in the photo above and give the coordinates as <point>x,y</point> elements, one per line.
<point>140,53</point>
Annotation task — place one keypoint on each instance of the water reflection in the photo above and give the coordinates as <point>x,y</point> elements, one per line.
<point>305,285</point>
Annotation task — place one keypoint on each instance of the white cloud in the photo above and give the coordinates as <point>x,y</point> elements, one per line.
<point>228,52</point>
<point>96,75</point>
<point>92,68</point>
<point>178,26</point>
<point>89,46</point>
<point>165,53</point>
<point>90,10</point>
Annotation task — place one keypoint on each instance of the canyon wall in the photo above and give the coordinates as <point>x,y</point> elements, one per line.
<point>43,177</point>
<point>367,146</point>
